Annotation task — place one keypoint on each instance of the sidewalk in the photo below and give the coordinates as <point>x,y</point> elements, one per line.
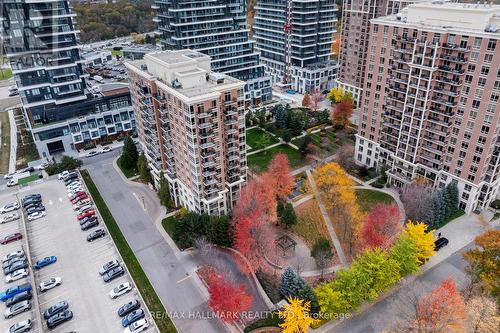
<point>13,142</point>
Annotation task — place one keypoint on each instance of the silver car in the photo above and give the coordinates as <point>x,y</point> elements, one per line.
<point>17,309</point>
<point>22,326</point>
<point>9,218</point>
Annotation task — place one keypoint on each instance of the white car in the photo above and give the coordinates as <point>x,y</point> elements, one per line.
<point>36,215</point>
<point>73,183</point>
<point>17,309</point>
<point>42,166</point>
<point>120,290</point>
<point>137,326</point>
<point>72,186</point>
<point>106,149</point>
<point>84,209</point>
<point>50,283</point>
<point>92,153</point>
<point>17,254</point>
<point>81,203</point>
<point>9,175</point>
<point>11,183</point>
<point>9,218</point>
<point>9,207</point>
<point>16,275</point>
<point>62,174</point>
<point>70,194</point>
<point>22,326</point>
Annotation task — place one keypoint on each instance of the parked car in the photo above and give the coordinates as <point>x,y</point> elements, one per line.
<point>33,204</point>
<point>89,225</point>
<point>106,149</point>
<point>113,274</point>
<point>9,207</point>
<point>22,326</point>
<point>59,318</point>
<point>92,153</point>
<point>73,191</point>
<point>81,203</point>
<point>84,209</point>
<point>120,290</point>
<point>13,291</point>
<point>70,179</point>
<point>36,215</point>
<point>11,183</point>
<point>17,275</point>
<point>32,196</point>
<point>440,243</point>
<point>11,238</point>
<point>18,253</point>
<point>86,214</point>
<point>77,195</point>
<point>27,169</point>
<point>15,266</point>
<point>80,198</point>
<point>88,219</point>
<point>73,185</point>
<point>138,326</point>
<point>35,209</point>
<point>19,298</point>
<point>9,218</point>
<point>74,182</point>
<point>32,201</point>
<point>50,283</point>
<point>55,309</point>
<point>127,308</point>
<point>17,308</point>
<point>45,262</point>
<point>133,316</point>
<point>63,174</point>
<point>96,234</point>
<point>108,266</point>
<point>12,261</point>
<point>43,166</point>
<point>9,175</point>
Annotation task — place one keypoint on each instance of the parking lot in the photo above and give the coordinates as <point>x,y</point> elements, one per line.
<point>78,263</point>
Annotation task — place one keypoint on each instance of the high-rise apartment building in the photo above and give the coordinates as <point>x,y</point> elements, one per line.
<point>41,42</point>
<point>218,29</point>
<point>355,35</point>
<point>430,103</point>
<point>191,125</point>
<point>311,26</point>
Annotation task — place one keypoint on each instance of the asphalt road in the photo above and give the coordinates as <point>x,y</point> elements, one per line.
<point>398,307</point>
<point>166,271</point>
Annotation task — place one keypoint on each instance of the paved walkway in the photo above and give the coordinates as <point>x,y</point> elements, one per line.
<point>13,142</point>
<point>328,222</point>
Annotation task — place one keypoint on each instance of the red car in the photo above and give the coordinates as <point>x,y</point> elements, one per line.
<point>86,214</point>
<point>11,238</point>
<point>77,195</point>
<point>77,199</point>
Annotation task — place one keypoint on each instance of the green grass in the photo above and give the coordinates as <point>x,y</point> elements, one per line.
<point>5,73</point>
<point>169,225</point>
<point>316,140</point>
<point>114,53</point>
<point>5,149</point>
<point>273,320</point>
<point>368,198</point>
<point>147,291</point>
<point>260,161</point>
<point>258,139</point>
<point>456,214</point>
<point>26,180</point>
<point>129,173</point>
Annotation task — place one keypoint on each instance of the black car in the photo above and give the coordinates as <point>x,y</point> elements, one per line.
<point>89,225</point>
<point>31,201</point>
<point>69,175</point>
<point>33,204</point>
<point>32,196</point>
<point>440,243</point>
<point>55,309</point>
<point>39,208</point>
<point>126,308</point>
<point>88,219</point>
<point>70,179</point>
<point>25,295</point>
<point>96,234</point>
<point>15,266</point>
<point>59,318</point>
<point>113,274</point>
<point>12,260</point>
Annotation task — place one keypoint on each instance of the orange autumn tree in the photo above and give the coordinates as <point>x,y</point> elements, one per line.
<point>280,175</point>
<point>341,113</point>
<point>306,100</point>
<point>337,188</point>
<point>441,310</point>
<point>381,226</point>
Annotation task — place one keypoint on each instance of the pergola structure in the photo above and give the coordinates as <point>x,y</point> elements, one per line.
<point>285,243</point>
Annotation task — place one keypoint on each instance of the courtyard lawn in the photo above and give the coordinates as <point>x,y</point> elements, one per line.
<point>325,146</point>
<point>26,180</point>
<point>5,73</point>
<point>368,198</point>
<point>310,225</point>
<point>259,162</point>
<point>258,139</point>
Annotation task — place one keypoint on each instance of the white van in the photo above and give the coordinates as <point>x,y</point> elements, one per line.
<point>98,79</point>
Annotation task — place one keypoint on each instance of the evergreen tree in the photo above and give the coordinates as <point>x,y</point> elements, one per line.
<point>280,116</point>
<point>308,294</point>
<point>452,191</point>
<point>164,192</point>
<point>143,168</point>
<point>295,125</point>
<point>291,283</point>
<point>130,155</point>
<point>280,207</point>
<point>288,216</point>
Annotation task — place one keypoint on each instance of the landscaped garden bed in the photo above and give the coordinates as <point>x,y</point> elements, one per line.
<point>310,225</point>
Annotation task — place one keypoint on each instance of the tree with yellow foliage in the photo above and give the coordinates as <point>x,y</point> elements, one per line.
<point>337,188</point>
<point>336,94</point>
<point>296,316</point>
<point>424,240</point>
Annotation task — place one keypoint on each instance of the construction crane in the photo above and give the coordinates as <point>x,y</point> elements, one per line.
<point>287,28</point>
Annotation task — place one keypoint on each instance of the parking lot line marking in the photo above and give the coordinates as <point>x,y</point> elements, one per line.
<point>184,279</point>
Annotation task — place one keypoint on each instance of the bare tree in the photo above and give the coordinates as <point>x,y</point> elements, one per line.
<point>418,201</point>
<point>345,156</point>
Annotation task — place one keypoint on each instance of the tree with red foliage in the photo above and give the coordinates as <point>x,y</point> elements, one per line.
<point>381,226</point>
<point>281,176</point>
<point>341,113</point>
<point>267,195</point>
<point>252,232</point>
<point>227,299</point>
<point>441,310</point>
<point>306,100</point>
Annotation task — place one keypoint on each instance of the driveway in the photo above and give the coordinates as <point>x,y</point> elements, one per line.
<point>170,273</point>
